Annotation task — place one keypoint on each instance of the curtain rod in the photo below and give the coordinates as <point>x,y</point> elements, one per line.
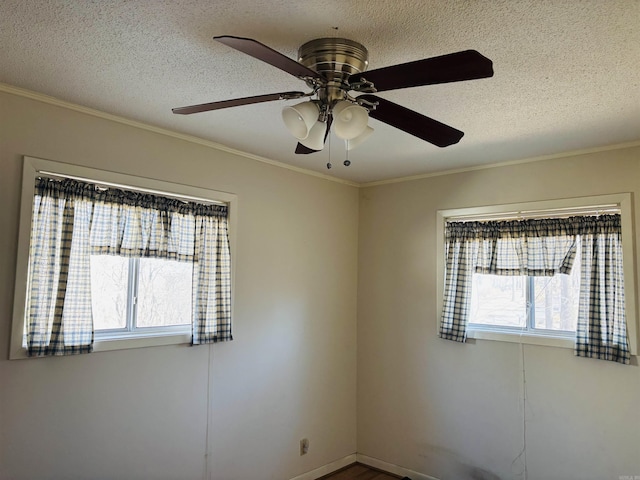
<point>107,185</point>
<point>591,210</point>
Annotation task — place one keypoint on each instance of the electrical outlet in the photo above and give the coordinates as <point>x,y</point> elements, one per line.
<point>304,446</point>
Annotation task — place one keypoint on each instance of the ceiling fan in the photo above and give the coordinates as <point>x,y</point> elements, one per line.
<point>342,90</point>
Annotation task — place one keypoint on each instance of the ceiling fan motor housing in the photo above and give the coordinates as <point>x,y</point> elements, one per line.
<point>336,59</point>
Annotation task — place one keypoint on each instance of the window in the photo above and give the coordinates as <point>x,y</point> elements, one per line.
<point>140,296</point>
<point>113,261</point>
<point>552,273</point>
<point>526,304</point>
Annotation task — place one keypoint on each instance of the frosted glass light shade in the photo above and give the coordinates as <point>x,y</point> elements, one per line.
<point>349,120</point>
<point>353,143</point>
<point>300,118</point>
<point>315,139</point>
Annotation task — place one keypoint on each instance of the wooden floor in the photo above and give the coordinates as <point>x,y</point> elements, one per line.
<point>358,471</point>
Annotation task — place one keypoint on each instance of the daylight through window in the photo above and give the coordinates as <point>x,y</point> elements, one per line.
<point>140,295</point>
<point>537,305</point>
<point>556,273</point>
<point>118,266</point>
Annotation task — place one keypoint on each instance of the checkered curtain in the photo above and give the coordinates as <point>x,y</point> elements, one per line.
<point>531,247</point>
<point>58,307</point>
<point>151,227</point>
<point>521,247</point>
<point>72,220</point>
<point>462,243</point>
<point>543,247</point>
<point>602,326</point>
<point>212,281</point>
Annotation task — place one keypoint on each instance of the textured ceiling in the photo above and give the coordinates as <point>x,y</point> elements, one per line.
<point>567,72</point>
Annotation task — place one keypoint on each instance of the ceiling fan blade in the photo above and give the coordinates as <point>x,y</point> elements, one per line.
<point>454,67</point>
<point>302,150</point>
<point>413,123</point>
<point>205,107</point>
<point>268,55</point>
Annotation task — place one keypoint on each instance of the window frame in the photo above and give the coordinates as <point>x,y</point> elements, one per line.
<point>131,329</point>
<point>33,167</point>
<point>622,200</point>
<point>530,319</point>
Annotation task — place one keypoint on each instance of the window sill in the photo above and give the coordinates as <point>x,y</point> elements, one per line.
<point>525,338</point>
<point>107,345</point>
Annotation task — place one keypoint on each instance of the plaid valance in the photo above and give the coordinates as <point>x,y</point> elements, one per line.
<point>64,188</point>
<point>532,227</point>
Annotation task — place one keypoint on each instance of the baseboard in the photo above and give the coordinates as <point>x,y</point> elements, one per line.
<point>328,468</point>
<point>391,468</point>
<point>370,461</point>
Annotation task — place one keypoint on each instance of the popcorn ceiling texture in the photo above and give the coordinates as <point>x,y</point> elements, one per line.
<point>566,77</point>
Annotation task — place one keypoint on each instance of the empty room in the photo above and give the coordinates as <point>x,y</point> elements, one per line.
<point>340,240</point>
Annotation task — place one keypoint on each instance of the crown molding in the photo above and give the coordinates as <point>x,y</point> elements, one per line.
<point>40,97</point>
<point>553,156</point>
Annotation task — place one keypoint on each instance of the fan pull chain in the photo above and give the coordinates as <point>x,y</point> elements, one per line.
<point>347,162</point>
<point>329,162</point>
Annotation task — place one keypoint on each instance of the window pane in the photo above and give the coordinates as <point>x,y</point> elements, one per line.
<point>164,293</point>
<point>556,300</point>
<point>498,300</point>
<point>109,280</point>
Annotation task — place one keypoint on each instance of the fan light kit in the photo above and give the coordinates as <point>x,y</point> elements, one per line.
<point>341,96</point>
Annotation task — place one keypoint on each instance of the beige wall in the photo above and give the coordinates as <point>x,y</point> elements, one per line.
<point>454,411</point>
<point>142,414</point>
